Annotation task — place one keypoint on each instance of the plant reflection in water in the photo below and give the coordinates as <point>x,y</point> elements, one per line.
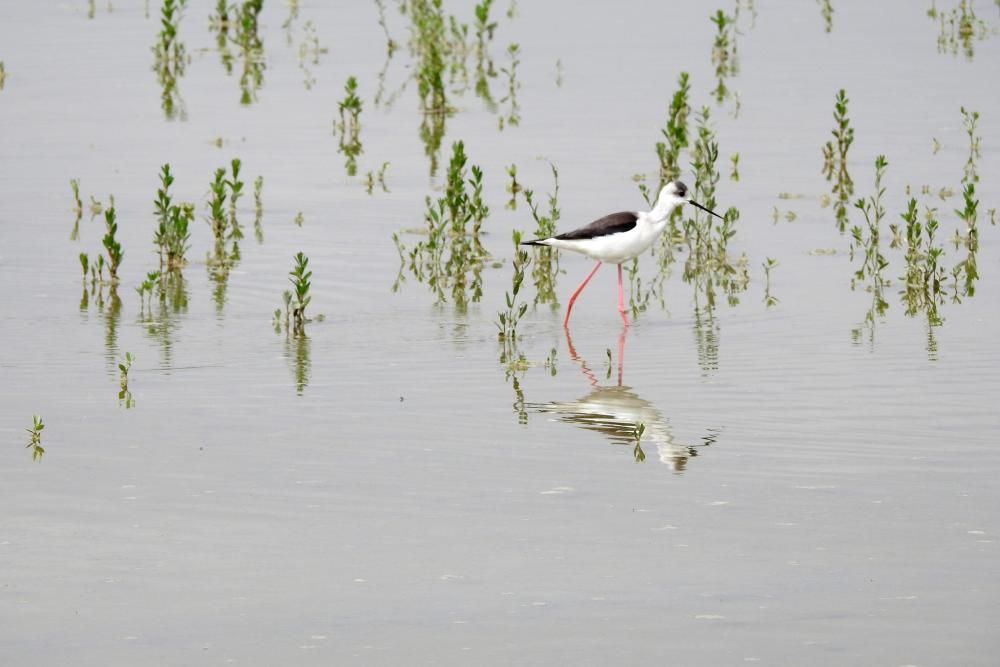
<point>622,416</point>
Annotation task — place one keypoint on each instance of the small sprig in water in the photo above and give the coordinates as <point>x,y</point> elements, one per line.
<point>348,128</point>
<point>35,443</point>
<point>835,160</point>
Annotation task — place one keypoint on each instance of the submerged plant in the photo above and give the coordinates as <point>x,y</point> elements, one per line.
<point>768,265</point>
<point>969,120</point>
<point>124,395</point>
<point>371,178</point>
<point>298,297</point>
<point>867,240</point>
<point>170,57</point>
<point>173,224</point>
<point>77,209</point>
<point>723,52</point>
<point>959,28</point>
<point>35,442</point>
<point>111,244</point>
<point>835,160</point>
<point>546,266</point>
<point>258,209</point>
<point>508,319</point>
<point>452,256</point>
<point>349,126</point>
<point>513,115</point>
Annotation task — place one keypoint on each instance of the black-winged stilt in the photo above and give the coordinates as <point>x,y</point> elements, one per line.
<point>619,237</point>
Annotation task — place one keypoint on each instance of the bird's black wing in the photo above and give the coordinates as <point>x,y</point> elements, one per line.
<point>609,224</point>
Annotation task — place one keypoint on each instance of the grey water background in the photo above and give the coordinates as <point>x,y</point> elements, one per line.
<point>820,500</point>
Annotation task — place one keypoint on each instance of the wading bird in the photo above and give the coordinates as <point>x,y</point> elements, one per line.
<point>619,237</point>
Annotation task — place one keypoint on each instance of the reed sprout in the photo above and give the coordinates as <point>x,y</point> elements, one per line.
<point>35,440</point>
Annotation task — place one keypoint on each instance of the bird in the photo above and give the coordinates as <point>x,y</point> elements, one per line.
<point>619,237</point>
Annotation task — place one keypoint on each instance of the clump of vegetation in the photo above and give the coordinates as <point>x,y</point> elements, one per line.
<point>146,287</point>
<point>546,266</point>
<point>371,178</point>
<point>170,57</point>
<point>258,209</point>
<point>723,52</point>
<point>349,126</point>
<point>969,120</point>
<point>111,244</point>
<point>452,256</point>
<point>675,135</point>
<point>125,395</point>
<point>173,224</point>
<point>867,240</point>
<point>835,160</point>
<point>768,265</point>
<point>959,29</point>
<point>924,281</point>
<point>297,298</point>
<point>513,115</point>
<point>77,209</point>
<point>35,442</point>
<point>508,319</point>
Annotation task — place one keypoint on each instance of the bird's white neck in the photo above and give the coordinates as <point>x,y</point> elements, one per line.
<point>665,205</point>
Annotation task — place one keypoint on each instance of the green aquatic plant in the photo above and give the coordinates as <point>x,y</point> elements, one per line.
<point>349,126</point>
<point>258,209</point>
<point>708,265</point>
<point>111,244</point>
<point>170,57</point>
<point>768,265</point>
<point>867,240</point>
<point>84,264</point>
<point>968,267</point>
<point>124,394</point>
<point>35,441</point>
<point>173,224</point>
<point>826,11</point>
<point>3,74</point>
<point>970,119</point>
<point>546,266</point>
<point>508,319</point>
<point>734,171</point>
<point>239,24</point>
<point>452,256</point>
<point>924,280</point>
<point>637,454</point>
<point>675,135</point>
<point>959,29</point>
<point>217,219</point>
<point>513,115</point>
<point>235,187</point>
<point>309,53</point>
<point>513,188</point>
<point>723,52</point>
<point>74,234</point>
<point>146,288</point>
<point>298,297</point>
<point>835,160</point>
<point>371,178</point>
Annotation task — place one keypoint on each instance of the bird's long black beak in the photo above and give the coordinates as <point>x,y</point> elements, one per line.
<point>696,204</point>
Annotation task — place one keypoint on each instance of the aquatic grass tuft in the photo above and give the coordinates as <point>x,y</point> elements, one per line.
<point>35,441</point>
<point>508,319</point>
<point>867,240</point>
<point>349,127</point>
<point>111,244</point>
<point>546,266</point>
<point>173,224</point>
<point>124,394</point>
<point>296,299</point>
<point>170,58</point>
<point>835,160</point>
<point>452,257</point>
<point>969,121</point>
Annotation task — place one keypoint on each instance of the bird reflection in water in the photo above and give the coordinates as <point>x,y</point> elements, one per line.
<point>622,416</point>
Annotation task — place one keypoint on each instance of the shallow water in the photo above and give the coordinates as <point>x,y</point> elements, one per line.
<point>371,494</point>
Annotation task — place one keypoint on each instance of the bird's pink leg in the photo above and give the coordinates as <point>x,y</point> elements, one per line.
<point>621,297</point>
<point>576,293</point>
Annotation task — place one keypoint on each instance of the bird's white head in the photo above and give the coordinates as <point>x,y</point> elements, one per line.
<point>673,195</point>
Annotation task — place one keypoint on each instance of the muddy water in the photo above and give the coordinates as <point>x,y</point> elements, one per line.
<point>379,493</point>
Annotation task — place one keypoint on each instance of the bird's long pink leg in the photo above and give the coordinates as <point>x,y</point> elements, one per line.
<point>576,293</point>
<point>621,297</point>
